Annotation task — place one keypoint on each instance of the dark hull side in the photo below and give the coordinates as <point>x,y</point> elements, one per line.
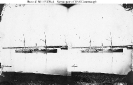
<point>89,51</point>
<point>117,50</point>
<point>64,48</point>
<point>48,50</point>
<point>102,51</point>
<point>24,51</point>
<point>36,51</point>
<point>114,50</point>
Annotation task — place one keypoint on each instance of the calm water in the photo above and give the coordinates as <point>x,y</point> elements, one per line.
<point>64,61</point>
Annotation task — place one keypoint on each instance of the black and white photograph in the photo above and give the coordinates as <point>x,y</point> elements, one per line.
<point>66,44</point>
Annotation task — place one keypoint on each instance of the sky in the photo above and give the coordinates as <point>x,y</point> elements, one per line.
<point>77,25</point>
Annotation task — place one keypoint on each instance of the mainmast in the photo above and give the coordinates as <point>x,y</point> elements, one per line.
<point>102,46</point>
<point>65,40</point>
<point>45,43</point>
<point>111,40</point>
<point>24,40</point>
<point>90,43</point>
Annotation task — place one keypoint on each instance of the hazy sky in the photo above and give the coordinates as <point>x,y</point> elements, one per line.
<point>78,25</point>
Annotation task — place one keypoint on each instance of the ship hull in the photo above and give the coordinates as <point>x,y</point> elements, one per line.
<point>101,62</point>
<point>94,50</point>
<point>62,62</point>
<point>36,50</point>
<point>23,51</point>
<point>48,50</point>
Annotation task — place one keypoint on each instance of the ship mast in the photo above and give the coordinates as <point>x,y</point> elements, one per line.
<point>24,40</point>
<point>46,50</point>
<point>90,43</point>
<point>102,46</point>
<point>111,48</point>
<point>45,43</point>
<point>65,40</point>
<point>111,40</point>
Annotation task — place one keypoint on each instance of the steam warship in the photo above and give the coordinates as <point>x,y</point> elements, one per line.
<point>14,78</point>
<point>103,49</point>
<point>36,49</point>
